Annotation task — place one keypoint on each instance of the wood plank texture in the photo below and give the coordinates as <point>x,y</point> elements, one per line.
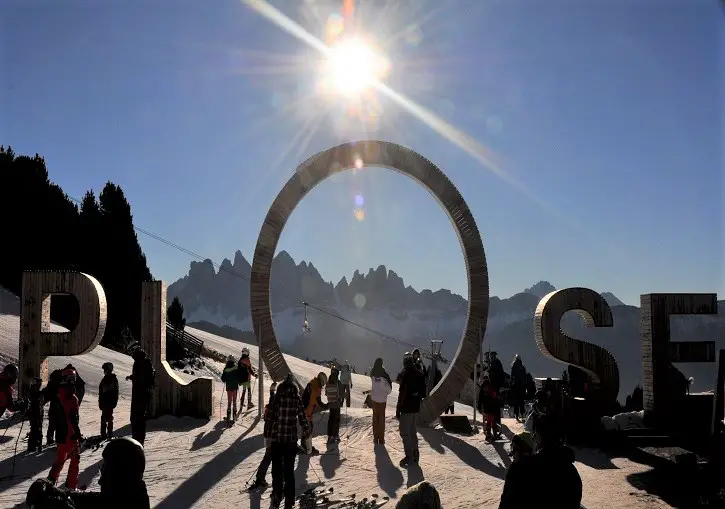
<point>37,342</point>
<point>655,312</point>
<point>172,395</point>
<point>557,345</point>
<point>388,155</point>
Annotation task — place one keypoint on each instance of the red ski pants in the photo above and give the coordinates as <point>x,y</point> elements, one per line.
<point>69,450</point>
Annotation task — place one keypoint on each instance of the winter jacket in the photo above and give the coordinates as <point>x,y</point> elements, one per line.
<point>412,390</point>
<point>345,375</point>
<point>312,397</point>
<point>245,370</point>
<point>43,495</point>
<point>230,376</point>
<point>6,394</point>
<point>67,420</point>
<point>380,389</point>
<point>497,374</point>
<point>285,412</point>
<point>108,392</point>
<point>488,399</point>
<point>35,404</point>
<point>143,376</point>
<point>546,479</point>
<point>80,387</point>
<point>268,417</point>
<point>334,393</point>
<point>518,376</point>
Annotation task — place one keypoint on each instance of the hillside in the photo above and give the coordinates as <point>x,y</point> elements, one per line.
<point>194,463</point>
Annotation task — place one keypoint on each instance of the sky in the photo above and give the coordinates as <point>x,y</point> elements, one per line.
<point>604,118</point>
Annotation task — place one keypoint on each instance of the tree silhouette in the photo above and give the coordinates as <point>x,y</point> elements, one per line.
<point>49,232</point>
<point>175,315</point>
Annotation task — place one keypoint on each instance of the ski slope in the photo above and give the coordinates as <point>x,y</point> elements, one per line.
<point>197,463</point>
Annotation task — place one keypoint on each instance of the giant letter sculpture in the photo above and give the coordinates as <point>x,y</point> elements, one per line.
<point>37,342</point>
<point>556,345</point>
<point>410,163</point>
<point>172,395</point>
<point>658,352</point>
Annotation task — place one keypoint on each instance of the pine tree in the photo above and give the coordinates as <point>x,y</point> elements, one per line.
<point>175,315</point>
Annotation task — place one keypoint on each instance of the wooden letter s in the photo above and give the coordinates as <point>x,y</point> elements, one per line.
<point>556,345</point>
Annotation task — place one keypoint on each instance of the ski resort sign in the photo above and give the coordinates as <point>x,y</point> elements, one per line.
<point>37,342</point>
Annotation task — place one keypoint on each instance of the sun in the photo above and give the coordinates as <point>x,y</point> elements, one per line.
<point>352,67</point>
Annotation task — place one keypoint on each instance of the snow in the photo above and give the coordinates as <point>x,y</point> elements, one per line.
<point>197,463</point>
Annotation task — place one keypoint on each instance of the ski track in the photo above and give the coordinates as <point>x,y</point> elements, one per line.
<point>196,463</point>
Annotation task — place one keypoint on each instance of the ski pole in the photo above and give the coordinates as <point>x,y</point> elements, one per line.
<point>220,403</point>
<point>10,421</point>
<point>17,440</point>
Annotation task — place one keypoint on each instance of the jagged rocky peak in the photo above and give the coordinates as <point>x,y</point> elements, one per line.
<point>226,264</point>
<point>612,299</point>
<point>202,269</point>
<point>541,289</point>
<point>240,261</point>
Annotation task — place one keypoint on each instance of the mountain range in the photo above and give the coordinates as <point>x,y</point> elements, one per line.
<point>380,300</point>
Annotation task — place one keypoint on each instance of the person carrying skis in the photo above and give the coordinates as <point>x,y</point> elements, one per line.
<point>346,382</point>
<point>245,371</point>
<point>35,416</point>
<point>230,377</point>
<point>259,481</point>
<point>142,379</point>
<point>312,398</point>
<point>412,391</point>
<point>333,393</point>
<point>68,427</point>
<point>121,482</point>
<point>285,412</point>
<point>107,399</point>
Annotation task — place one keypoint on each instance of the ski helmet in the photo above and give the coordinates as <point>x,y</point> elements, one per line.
<point>68,375</point>
<point>123,460</point>
<point>230,358</point>
<point>322,377</point>
<point>245,351</point>
<point>408,361</point>
<point>11,371</point>
<point>107,366</point>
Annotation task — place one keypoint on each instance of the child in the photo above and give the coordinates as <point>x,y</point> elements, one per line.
<point>538,410</point>
<point>489,405</point>
<point>35,416</point>
<point>334,393</point>
<point>107,400</point>
<point>231,381</point>
<point>245,373</point>
<point>68,428</point>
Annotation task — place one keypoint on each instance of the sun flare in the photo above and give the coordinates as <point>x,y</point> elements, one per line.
<point>353,66</point>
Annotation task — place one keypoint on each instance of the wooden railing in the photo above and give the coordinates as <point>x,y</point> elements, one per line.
<point>184,340</point>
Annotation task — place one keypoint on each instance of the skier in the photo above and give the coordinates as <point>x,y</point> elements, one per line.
<point>489,403</point>
<point>107,399</point>
<point>259,481</point>
<point>51,395</point>
<point>346,381</point>
<point>35,416</point>
<point>8,378</point>
<point>231,381</point>
<point>68,428</point>
<point>142,377</point>
<point>80,384</point>
<point>245,373</point>
<point>381,386</point>
<point>412,391</point>
<point>311,398</point>
<point>285,412</point>
<point>121,482</point>
<point>333,393</point>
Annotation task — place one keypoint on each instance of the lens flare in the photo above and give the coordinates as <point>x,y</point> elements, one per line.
<point>359,214</point>
<point>359,201</point>
<point>352,67</point>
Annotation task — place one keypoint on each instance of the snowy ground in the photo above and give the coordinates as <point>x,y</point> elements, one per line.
<point>197,463</point>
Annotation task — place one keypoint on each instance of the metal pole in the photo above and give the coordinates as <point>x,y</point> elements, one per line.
<point>260,374</point>
<point>477,374</point>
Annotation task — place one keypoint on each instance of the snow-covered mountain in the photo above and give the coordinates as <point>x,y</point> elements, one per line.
<point>380,300</point>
